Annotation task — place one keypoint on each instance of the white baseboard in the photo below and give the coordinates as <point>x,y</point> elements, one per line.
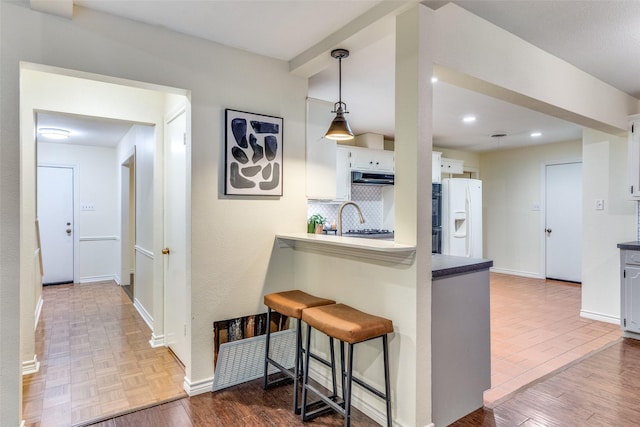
<point>516,273</point>
<point>38,312</point>
<point>143,313</point>
<point>156,340</point>
<point>198,387</point>
<point>30,366</point>
<point>118,280</point>
<point>600,317</point>
<point>92,279</point>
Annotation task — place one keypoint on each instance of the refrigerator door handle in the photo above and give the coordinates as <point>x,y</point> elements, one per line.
<point>467,206</point>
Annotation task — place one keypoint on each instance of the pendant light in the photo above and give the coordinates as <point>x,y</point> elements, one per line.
<point>339,129</point>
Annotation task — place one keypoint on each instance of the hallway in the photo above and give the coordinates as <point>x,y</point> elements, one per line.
<point>96,360</point>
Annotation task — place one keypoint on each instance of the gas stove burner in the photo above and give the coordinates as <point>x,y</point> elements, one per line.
<point>369,231</point>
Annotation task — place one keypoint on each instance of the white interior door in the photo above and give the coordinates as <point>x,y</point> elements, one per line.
<point>563,219</point>
<point>55,214</point>
<point>175,199</point>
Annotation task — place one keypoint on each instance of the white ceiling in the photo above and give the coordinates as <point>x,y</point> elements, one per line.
<point>600,37</point>
<point>84,130</point>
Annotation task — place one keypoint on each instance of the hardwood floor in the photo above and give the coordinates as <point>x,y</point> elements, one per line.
<point>242,405</point>
<point>96,360</point>
<point>536,328</point>
<point>601,390</point>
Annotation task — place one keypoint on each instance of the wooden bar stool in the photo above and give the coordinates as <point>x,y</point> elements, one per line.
<point>350,326</point>
<point>291,304</point>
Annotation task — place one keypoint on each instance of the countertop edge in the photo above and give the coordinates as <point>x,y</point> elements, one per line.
<point>446,265</point>
<point>348,242</point>
<point>630,246</point>
<point>368,250</point>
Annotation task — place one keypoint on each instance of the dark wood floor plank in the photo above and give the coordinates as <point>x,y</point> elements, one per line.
<point>601,390</point>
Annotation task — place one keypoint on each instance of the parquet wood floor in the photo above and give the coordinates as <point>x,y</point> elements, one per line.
<point>96,360</point>
<point>536,329</point>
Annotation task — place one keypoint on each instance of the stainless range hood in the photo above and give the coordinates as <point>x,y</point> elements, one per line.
<point>372,178</point>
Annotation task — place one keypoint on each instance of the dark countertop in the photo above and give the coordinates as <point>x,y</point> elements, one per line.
<point>447,265</point>
<point>631,246</point>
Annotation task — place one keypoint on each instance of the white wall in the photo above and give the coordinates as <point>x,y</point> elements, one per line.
<point>604,177</point>
<point>511,185</point>
<point>98,229</point>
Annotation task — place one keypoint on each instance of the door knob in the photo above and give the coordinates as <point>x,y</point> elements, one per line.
<point>68,230</point>
<point>166,251</point>
<point>548,230</point>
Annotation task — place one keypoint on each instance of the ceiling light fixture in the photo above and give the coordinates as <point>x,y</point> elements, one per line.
<point>339,129</point>
<point>469,119</point>
<point>434,79</point>
<point>54,133</point>
<point>536,134</point>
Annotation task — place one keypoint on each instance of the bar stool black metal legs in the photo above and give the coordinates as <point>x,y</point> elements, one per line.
<point>350,326</point>
<point>291,304</point>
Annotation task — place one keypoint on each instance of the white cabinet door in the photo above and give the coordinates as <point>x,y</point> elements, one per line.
<point>384,160</point>
<point>436,176</point>
<point>343,174</point>
<point>634,157</point>
<point>451,166</point>
<point>631,299</point>
<point>366,159</point>
<point>321,152</point>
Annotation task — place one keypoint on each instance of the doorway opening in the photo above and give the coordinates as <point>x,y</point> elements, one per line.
<point>537,324</point>
<point>121,213</point>
<point>128,224</point>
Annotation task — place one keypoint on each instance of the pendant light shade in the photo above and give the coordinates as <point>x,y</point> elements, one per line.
<point>339,129</point>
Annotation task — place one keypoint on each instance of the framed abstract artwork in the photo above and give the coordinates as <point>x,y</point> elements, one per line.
<point>253,154</point>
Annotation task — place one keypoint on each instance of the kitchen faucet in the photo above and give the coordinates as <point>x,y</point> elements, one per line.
<point>339,232</point>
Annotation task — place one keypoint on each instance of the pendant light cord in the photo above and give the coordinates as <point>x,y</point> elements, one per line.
<point>340,81</point>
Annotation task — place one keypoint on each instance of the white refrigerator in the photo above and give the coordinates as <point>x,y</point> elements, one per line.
<point>462,217</point>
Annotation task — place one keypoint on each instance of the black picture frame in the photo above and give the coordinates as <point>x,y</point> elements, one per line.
<point>253,154</point>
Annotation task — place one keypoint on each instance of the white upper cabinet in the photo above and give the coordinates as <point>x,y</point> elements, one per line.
<point>343,174</point>
<point>436,177</point>
<point>321,152</point>
<point>452,166</point>
<point>634,156</point>
<point>366,159</point>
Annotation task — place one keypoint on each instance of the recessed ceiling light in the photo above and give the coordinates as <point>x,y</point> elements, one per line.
<point>434,79</point>
<point>536,134</point>
<point>469,119</point>
<point>54,133</point>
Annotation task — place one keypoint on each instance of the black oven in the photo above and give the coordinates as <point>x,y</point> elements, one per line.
<point>436,218</point>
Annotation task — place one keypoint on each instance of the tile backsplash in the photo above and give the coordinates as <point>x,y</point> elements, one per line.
<point>368,197</point>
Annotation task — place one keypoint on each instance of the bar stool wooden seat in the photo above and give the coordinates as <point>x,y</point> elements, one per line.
<point>350,326</point>
<point>291,303</point>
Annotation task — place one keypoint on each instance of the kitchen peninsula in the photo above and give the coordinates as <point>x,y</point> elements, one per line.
<point>378,277</point>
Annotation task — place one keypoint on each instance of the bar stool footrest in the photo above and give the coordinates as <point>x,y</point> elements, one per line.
<point>368,387</point>
<point>329,404</point>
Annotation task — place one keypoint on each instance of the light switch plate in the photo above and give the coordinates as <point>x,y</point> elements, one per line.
<point>599,204</point>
